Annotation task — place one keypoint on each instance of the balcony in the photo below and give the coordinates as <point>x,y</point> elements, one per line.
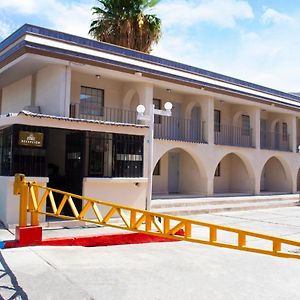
<point>274,141</point>
<point>233,136</point>
<point>109,114</point>
<point>165,128</point>
<point>177,129</point>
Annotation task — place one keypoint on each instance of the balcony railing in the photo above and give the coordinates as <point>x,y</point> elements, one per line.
<point>110,114</point>
<point>166,128</point>
<point>233,136</point>
<point>274,141</point>
<point>185,130</point>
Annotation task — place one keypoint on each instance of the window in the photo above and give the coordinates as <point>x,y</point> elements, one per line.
<point>157,105</point>
<point>115,155</point>
<point>217,119</point>
<point>156,171</point>
<point>218,170</point>
<point>284,132</point>
<point>91,101</point>
<point>245,125</point>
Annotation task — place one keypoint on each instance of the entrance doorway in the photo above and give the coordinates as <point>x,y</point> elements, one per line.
<point>174,164</point>
<point>65,164</point>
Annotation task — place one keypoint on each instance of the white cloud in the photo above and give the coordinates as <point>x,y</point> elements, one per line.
<point>20,6</point>
<point>72,17</point>
<point>271,16</point>
<point>5,29</point>
<point>224,13</point>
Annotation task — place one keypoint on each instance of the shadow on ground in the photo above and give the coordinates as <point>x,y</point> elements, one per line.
<point>9,286</point>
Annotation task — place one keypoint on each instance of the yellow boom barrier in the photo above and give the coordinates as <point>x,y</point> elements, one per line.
<point>33,199</point>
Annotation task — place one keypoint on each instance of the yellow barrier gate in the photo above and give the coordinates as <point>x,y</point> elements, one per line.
<point>33,199</point>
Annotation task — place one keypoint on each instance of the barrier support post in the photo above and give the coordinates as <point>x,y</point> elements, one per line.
<point>26,235</point>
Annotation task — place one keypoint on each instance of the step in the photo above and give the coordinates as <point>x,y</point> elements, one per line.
<point>164,203</point>
<point>216,208</point>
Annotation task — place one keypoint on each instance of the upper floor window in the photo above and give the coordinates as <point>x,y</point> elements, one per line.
<point>245,125</point>
<point>217,120</point>
<point>157,105</point>
<point>284,132</point>
<point>91,101</point>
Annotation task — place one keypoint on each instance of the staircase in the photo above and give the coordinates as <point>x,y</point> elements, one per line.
<point>192,206</point>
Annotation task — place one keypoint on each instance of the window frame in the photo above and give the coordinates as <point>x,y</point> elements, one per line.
<point>85,106</point>
<point>217,123</point>
<point>246,128</point>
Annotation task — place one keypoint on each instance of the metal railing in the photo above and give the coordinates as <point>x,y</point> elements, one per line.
<point>231,135</point>
<point>166,128</point>
<point>109,114</point>
<point>177,129</point>
<point>33,198</point>
<point>274,141</point>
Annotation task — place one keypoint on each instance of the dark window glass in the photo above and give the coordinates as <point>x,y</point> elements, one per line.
<point>91,102</point>
<point>218,170</point>
<point>156,171</point>
<point>157,105</point>
<point>115,155</point>
<point>245,125</point>
<point>217,119</point>
<point>284,132</point>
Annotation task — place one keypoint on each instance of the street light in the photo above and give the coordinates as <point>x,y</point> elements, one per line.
<point>149,119</point>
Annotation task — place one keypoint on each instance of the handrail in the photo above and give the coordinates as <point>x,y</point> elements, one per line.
<point>33,198</point>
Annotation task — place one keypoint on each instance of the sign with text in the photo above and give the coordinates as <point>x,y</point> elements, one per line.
<point>32,139</point>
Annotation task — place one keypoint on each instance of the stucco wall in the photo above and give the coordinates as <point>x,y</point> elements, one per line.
<point>113,90</point>
<point>125,191</point>
<point>16,96</point>
<point>52,90</point>
<point>160,182</point>
<point>9,203</point>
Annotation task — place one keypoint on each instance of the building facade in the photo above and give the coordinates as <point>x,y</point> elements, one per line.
<point>68,119</point>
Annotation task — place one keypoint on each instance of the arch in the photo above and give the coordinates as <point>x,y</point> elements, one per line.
<point>179,173</point>
<point>237,117</point>
<point>128,99</point>
<point>234,174</point>
<point>189,108</point>
<point>275,176</point>
<point>298,181</point>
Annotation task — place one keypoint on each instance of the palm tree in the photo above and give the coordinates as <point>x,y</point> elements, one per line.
<point>125,23</point>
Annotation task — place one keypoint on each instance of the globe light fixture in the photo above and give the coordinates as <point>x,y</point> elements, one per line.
<point>140,109</point>
<point>168,106</point>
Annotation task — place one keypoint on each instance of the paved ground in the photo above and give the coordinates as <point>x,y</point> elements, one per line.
<point>156,271</point>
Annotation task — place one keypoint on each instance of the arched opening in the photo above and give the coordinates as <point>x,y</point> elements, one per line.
<point>232,176</point>
<point>130,102</point>
<point>298,181</point>
<point>274,177</point>
<point>176,172</point>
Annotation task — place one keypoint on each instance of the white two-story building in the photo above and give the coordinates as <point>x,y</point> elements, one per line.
<point>68,119</point>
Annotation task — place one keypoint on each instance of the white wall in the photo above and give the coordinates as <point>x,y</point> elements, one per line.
<point>124,191</point>
<point>10,203</point>
<point>53,90</point>
<point>16,96</point>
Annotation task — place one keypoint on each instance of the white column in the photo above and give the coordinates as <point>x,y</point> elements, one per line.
<point>255,124</point>
<point>207,106</point>
<point>293,133</point>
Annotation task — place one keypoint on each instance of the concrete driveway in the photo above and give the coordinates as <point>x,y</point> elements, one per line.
<point>177,270</point>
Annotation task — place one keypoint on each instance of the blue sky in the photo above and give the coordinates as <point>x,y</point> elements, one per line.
<point>254,40</point>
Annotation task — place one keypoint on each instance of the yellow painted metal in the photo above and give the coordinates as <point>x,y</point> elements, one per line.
<point>143,221</point>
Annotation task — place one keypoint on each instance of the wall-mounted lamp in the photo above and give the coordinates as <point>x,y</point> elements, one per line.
<point>221,101</point>
<point>140,74</point>
<point>98,76</point>
<point>169,90</point>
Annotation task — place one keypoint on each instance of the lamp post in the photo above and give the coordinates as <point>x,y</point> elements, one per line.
<point>149,120</point>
